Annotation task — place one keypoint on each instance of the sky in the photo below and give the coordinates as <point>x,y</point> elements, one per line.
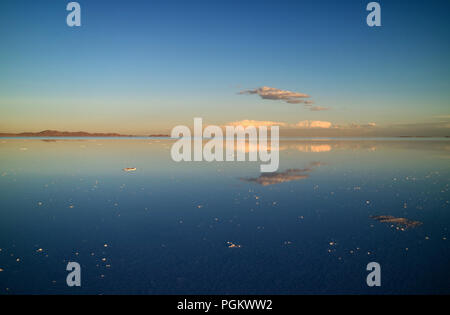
<point>142,67</point>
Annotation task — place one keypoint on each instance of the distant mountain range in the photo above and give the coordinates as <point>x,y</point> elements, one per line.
<point>83,134</point>
<point>56,133</point>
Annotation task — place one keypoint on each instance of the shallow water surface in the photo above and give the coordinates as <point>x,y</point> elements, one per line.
<point>223,227</point>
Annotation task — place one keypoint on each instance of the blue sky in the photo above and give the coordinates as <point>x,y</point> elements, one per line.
<point>146,66</point>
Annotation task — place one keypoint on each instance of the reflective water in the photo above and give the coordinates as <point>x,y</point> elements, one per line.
<point>199,227</point>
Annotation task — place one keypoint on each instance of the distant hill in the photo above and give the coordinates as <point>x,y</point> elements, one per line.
<point>159,136</point>
<point>55,133</point>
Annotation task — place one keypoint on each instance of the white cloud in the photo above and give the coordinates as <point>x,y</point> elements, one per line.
<point>270,93</point>
<point>304,124</point>
<point>307,124</point>
<point>256,123</point>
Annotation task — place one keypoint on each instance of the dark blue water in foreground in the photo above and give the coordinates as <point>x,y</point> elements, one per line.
<point>165,227</point>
